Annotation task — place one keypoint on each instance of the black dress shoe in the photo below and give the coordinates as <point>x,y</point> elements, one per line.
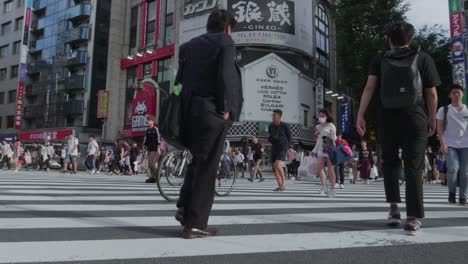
<point>179,216</point>
<point>191,233</point>
<point>151,180</point>
<point>463,201</point>
<point>452,198</point>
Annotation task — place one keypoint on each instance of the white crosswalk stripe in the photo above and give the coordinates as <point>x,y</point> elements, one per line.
<point>57,218</point>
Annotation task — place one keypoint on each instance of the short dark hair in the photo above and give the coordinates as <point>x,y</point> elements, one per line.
<point>219,20</point>
<point>278,111</point>
<point>327,114</point>
<point>455,87</point>
<point>92,136</point>
<point>400,33</point>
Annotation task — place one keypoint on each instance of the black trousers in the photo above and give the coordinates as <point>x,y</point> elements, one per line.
<point>208,132</point>
<point>406,129</point>
<point>5,160</point>
<point>339,172</point>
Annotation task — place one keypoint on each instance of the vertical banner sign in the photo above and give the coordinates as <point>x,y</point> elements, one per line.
<point>319,96</point>
<point>344,112</point>
<point>20,96</point>
<point>458,34</point>
<point>103,104</point>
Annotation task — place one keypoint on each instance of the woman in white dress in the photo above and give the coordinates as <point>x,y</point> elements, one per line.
<point>326,137</point>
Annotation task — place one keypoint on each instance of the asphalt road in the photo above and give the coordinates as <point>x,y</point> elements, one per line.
<point>100,219</point>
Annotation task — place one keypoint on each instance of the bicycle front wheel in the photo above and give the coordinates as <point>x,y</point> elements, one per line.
<point>226,178</point>
<point>170,176</point>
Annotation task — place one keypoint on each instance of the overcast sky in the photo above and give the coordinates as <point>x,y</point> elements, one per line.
<point>429,12</point>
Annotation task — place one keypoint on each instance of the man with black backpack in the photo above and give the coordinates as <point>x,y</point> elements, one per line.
<point>404,81</point>
<point>452,127</point>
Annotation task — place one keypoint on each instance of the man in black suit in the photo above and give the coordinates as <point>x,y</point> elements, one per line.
<point>211,101</point>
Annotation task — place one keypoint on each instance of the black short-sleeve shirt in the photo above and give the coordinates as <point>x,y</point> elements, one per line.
<point>427,68</point>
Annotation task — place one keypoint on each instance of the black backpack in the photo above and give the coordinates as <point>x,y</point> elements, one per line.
<point>400,82</point>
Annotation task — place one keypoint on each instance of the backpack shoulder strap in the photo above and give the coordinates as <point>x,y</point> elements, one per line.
<point>446,108</point>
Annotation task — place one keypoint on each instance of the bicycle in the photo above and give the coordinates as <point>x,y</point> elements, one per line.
<point>174,165</point>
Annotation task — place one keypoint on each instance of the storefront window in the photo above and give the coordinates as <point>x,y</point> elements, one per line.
<point>132,80</point>
<point>147,70</point>
<point>164,70</point>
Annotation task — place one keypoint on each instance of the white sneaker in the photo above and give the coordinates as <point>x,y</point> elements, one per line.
<point>331,193</point>
<point>337,186</point>
<point>323,191</point>
<point>93,171</point>
<point>341,186</point>
<point>367,182</point>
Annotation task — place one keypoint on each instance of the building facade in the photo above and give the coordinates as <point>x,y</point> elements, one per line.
<point>11,32</point>
<point>286,51</point>
<point>142,45</point>
<point>66,57</point>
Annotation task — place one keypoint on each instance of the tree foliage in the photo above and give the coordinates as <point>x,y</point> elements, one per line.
<point>360,29</point>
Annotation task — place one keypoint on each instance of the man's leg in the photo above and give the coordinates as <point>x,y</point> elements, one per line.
<point>207,149</point>
<point>464,176</point>
<point>280,176</point>
<point>414,147</point>
<point>453,166</point>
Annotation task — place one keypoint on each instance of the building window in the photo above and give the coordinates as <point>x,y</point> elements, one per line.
<point>169,23</point>
<point>16,47</point>
<point>322,35</point>
<point>14,71</point>
<point>151,24</point>
<point>12,96</point>
<point>164,70</point>
<point>148,70</point>
<point>19,3</point>
<point>3,51</point>
<point>1,122</point>
<point>132,79</point>
<point>6,28</point>
<point>7,6</point>
<point>3,74</point>
<point>2,97</point>
<point>18,23</point>
<point>306,118</point>
<point>10,122</point>
<point>133,28</point>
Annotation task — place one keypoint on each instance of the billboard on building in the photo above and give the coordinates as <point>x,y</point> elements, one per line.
<point>103,104</point>
<point>270,83</point>
<point>144,104</point>
<point>273,22</point>
<point>283,23</point>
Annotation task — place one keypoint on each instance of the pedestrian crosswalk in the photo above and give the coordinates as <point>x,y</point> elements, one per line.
<point>55,218</point>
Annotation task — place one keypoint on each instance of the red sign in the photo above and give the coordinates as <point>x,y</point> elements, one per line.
<point>103,104</point>
<point>144,104</point>
<point>127,132</point>
<point>54,135</point>
<point>456,25</point>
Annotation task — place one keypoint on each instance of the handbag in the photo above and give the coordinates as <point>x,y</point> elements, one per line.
<point>374,173</point>
<point>170,121</point>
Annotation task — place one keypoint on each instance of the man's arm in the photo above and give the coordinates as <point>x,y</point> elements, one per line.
<point>288,134</point>
<point>365,101</point>
<point>431,102</point>
<point>225,78</point>
<point>440,132</point>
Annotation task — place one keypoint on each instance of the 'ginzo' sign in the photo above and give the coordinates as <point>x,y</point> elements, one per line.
<point>263,15</point>
<point>192,8</point>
